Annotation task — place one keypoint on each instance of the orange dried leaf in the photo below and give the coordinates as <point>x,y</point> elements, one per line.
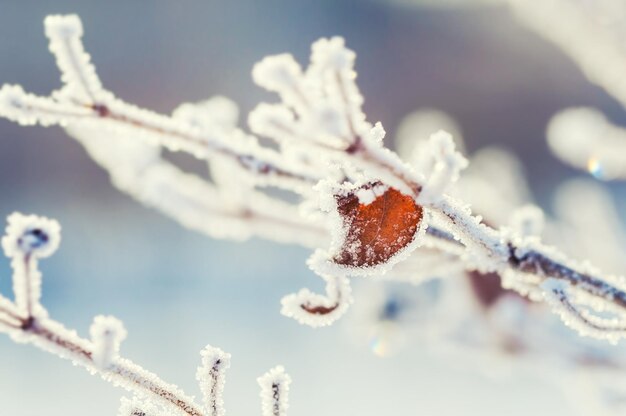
<point>375,232</point>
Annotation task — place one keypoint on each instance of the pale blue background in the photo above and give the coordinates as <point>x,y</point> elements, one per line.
<point>177,290</point>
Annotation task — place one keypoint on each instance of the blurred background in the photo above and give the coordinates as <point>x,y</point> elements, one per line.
<point>177,290</point>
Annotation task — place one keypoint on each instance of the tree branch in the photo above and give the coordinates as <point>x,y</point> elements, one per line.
<point>322,133</point>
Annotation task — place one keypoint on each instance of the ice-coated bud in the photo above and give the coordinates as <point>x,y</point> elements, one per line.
<point>332,53</point>
<point>30,234</point>
<point>107,333</point>
<point>446,166</point>
<point>277,72</point>
<point>528,221</point>
<point>63,26</point>
<point>216,112</point>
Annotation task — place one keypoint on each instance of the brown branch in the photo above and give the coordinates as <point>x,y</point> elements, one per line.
<point>542,266</point>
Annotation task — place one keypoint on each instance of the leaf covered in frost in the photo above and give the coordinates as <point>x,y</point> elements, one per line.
<point>377,226</point>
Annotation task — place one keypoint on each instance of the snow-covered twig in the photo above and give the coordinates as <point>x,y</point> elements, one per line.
<point>212,378</point>
<point>557,294</point>
<point>376,209</point>
<point>126,140</point>
<point>318,310</point>
<point>25,320</point>
<point>274,392</point>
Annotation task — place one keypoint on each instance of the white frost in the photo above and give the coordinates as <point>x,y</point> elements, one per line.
<point>274,392</point>
<point>107,334</point>
<point>318,310</point>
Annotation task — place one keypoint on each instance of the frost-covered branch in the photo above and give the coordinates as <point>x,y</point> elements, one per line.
<point>367,246</point>
<point>556,292</point>
<point>211,376</point>
<point>375,209</point>
<point>25,320</point>
<point>127,141</point>
<point>274,392</point>
<point>82,98</point>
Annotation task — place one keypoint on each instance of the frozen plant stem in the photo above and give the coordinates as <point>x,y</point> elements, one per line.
<point>556,293</point>
<point>274,387</point>
<point>29,238</point>
<point>327,153</point>
<point>107,127</point>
